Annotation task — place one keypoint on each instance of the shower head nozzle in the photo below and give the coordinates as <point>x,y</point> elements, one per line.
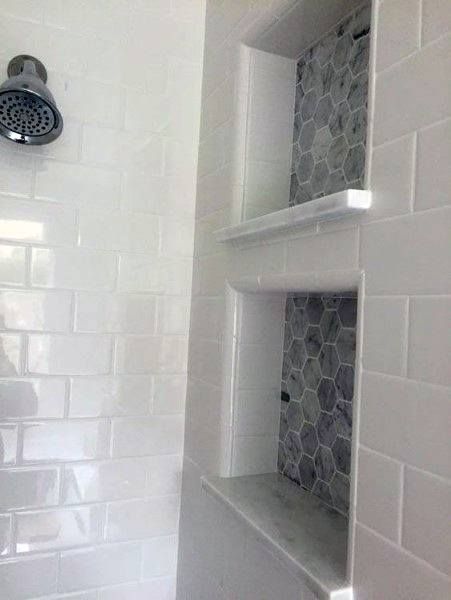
<point>28,112</point>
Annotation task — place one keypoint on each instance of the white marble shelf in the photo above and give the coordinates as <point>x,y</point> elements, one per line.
<point>341,204</point>
<point>304,534</point>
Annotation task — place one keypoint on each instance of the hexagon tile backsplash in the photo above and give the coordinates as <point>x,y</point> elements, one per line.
<point>329,134</point>
<point>316,394</point>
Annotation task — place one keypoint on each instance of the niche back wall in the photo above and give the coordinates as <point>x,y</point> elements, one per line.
<point>95,266</point>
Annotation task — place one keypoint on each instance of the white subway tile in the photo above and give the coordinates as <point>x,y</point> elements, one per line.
<point>392,178</point>
<point>16,171</point>
<point>385,335</point>
<point>407,420</point>
<point>40,223</point>
<point>174,276</point>
<point>261,320</point>
<point>40,311</point>
<point>143,192</point>
<point>12,265</point>
<point>173,315</point>
<point>10,353</point>
<point>379,489</point>
<point>429,340</point>
<point>160,588</point>
<point>69,355</point>
<point>433,185</point>
<point>28,398</point>
<point>436,19</point>
<point>124,313</point>
<point>253,455</point>
<point>23,9</point>
<point>101,566</point>
<point>104,481</point>
<point>8,443</point>
<point>257,412</point>
<point>426,523</point>
<point>151,354</point>
<point>259,366</point>
<point>28,488</point>
<point>138,274</point>
<point>169,394</point>
<point>110,396</point>
<point>5,535</point>
<point>73,268</point>
<point>267,187</point>
<point>143,518</point>
<point>52,441</point>
<point>29,577</point>
<point>383,570</point>
<point>396,41</point>
<point>61,528</point>
<point>176,238</point>
<point>413,93</point>
<point>159,557</point>
<point>146,111</point>
<point>147,435</point>
<point>115,148</point>
<point>325,252</point>
<point>119,231</point>
<point>77,185</point>
<point>66,147</point>
<point>137,355</point>
<point>415,253</point>
<point>164,475</point>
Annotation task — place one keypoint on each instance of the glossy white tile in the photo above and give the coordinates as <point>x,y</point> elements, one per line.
<point>140,436</point>
<point>29,577</point>
<point>77,185</point>
<point>39,311</point>
<point>142,518</point>
<point>62,528</point>
<point>8,444</point>
<point>38,223</point>
<point>433,179</point>
<point>12,265</point>
<point>28,398</point>
<point>124,313</point>
<point>28,488</point>
<point>16,171</point>
<point>119,231</point>
<point>159,556</point>
<point>379,491</point>
<point>164,474</point>
<point>394,42</point>
<point>53,441</point>
<point>104,481</point>
<point>426,528</point>
<point>137,354</point>
<point>169,394</point>
<point>69,355</point>
<point>173,315</point>
<point>138,274</point>
<point>436,19</point>
<point>110,396</point>
<point>101,566</point>
<point>73,268</point>
<point>5,535</point>
<point>10,354</point>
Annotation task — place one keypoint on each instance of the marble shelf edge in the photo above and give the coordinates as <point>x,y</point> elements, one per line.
<point>217,487</point>
<point>341,204</point>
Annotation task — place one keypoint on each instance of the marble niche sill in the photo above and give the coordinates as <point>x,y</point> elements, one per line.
<point>334,206</point>
<point>308,538</point>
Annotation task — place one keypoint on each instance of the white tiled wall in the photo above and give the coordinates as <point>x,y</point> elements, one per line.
<point>96,246</point>
<point>402,546</point>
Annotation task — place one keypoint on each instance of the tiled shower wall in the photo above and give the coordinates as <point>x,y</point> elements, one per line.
<point>316,395</point>
<point>330,121</point>
<point>95,266</point>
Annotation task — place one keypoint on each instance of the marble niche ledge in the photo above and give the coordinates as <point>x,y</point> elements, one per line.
<point>307,537</point>
<point>334,206</point>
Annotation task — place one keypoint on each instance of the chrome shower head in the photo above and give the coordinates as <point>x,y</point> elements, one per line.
<point>28,113</point>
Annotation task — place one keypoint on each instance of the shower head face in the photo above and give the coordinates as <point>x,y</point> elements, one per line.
<point>28,113</point>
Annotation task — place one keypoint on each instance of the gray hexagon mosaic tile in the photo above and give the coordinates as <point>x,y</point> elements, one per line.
<point>316,394</point>
<point>331,111</point>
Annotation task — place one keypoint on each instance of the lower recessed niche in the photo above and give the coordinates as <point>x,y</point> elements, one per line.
<point>317,392</point>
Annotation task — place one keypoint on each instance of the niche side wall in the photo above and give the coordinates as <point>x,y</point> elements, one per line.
<point>402,245</point>
<point>95,262</point>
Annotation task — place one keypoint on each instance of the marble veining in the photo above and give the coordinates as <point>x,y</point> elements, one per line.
<point>308,537</point>
<point>329,135</point>
<point>316,394</point>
